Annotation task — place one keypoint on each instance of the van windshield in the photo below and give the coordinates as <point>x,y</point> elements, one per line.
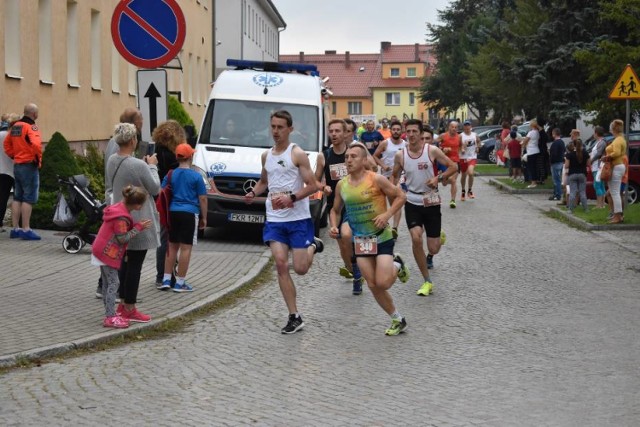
<point>247,124</point>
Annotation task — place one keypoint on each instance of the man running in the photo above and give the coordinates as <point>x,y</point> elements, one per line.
<point>384,155</point>
<point>285,171</point>
<point>371,137</point>
<point>363,192</point>
<point>331,165</point>
<point>468,158</point>
<point>422,210</point>
<point>450,144</point>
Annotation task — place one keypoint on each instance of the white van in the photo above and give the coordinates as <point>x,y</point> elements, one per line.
<point>236,131</point>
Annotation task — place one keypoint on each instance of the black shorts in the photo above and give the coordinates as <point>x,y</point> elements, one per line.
<point>516,163</point>
<point>183,227</point>
<point>384,248</point>
<point>429,218</point>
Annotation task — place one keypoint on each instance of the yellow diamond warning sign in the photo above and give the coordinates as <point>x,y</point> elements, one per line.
<point>627,86</point>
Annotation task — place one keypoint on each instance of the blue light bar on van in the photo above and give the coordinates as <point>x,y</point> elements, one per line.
<point>282,67</point>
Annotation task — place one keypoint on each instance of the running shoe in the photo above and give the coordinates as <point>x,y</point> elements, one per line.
<point>185,287</point>
<point>30,235</point>
<point>357,286</point>
<point>462,197</point>
<point>115,322</point>
<point>344,272</point>
<point>425,289</point>
<point>443,237</point>
<point>397,327</point>
<point>394,233</point>
<point>452,204</point>
<point>294,324</point>
<point>134,316</point>
<point>471,196</point>
<point>319,245</point>
<point>164,285</point>
<point>16,233</point>
<point>403,272</point>
<point>429,261</point>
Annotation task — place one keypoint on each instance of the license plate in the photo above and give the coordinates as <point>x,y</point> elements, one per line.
<point>255,219</point>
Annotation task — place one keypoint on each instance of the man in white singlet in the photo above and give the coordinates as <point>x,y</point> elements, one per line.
<point>468,158</point>
<point>384,155</point>
<point>287,175</point>
<point>422,209</point>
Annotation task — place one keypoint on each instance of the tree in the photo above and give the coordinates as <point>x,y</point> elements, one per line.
<point>57,160</point>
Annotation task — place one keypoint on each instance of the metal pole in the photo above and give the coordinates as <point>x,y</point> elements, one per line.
<point>627,127</point>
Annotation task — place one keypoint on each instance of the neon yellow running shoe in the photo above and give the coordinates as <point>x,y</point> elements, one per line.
<point>425,289</point>
<point>397,327</point>
<point>403,272</point>
<point>443,237</point>
<point>344,272</point>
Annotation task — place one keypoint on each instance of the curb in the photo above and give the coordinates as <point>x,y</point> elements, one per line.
<point>511,190</point>
<point>592,227</point>
<point>88,342</point>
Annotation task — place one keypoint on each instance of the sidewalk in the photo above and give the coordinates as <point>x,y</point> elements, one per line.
<point>47,297</point>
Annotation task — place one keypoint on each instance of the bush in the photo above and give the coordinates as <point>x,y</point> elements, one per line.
<point>42,214</point>
<point>57,159</point>
<point>178,113</point>
<point>92,166</point>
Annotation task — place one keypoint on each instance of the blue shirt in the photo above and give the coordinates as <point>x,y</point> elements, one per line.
<point>371,140</point>
<point>186,185</point>
<point>556,151</point>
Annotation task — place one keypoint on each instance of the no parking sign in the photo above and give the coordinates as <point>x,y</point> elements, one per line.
<point>148,33</point>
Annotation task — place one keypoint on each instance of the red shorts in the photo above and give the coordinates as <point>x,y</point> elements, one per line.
<point>464,164</point>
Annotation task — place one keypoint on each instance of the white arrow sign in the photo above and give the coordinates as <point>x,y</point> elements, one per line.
<point>152,100</point>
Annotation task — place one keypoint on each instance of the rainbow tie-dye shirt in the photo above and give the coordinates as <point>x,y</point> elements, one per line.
<point>363,203</point>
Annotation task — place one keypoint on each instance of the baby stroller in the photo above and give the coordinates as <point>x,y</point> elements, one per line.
<point>81,199</point>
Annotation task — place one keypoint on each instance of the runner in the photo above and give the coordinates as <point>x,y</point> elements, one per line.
<point>384,156</point>
<point>468,158</point>
<point>422,210</point>
<point>331,165</point>
<point>285,170</point>
<point>450,144</point>
<point>363,194</point>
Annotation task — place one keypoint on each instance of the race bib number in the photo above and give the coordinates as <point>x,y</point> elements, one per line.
<point>338,171</point>
<point>366,245</point>
<point>431,198</point>
<point>276,194</point>
<point>369,145</point>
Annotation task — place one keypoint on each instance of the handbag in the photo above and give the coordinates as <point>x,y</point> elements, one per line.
<point>163,202</point>
<point>605,173</point>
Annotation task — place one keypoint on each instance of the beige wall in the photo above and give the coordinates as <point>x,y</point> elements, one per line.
<point>386,70</point>
<point>342,106</point>
<point>85,113</point>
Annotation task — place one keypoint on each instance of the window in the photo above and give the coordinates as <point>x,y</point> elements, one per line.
<point>198,80</point>
<point>72,44</point>
<point>12,38</point>
<point>394,72</point>
<point>115,70</point>
<point>190,91</point>
<point>392,98</point>
<point>131,76</point>
<point>334,107</point>
<point>96,66</point>
<point>355,108</point>
<point>44,42</point>
<point>412,98</point>
<point>411,72</point>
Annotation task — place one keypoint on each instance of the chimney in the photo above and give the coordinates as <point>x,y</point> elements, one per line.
<point>417,52</point>
<point>347,59</point>
<point>385,45</point>
<point>301,59</point>
<point>330,52</point>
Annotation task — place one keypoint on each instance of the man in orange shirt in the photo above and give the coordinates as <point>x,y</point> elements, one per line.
<point>451,145</point>
<point>24,145</point>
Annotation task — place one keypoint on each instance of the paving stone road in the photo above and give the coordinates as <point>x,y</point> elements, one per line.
<point>532,323</point>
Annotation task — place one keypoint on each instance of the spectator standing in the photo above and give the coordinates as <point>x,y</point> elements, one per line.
<point>533,152</point>
<point>129,115</point>
<point>615,153</point>
<point>543,158</point>
<point>122,170</point>
<point>23,144</point>
<point>576,163</point>
<point>187,214</point>
<point>596,154</point>
<point>514,145</point>
<point>556,158</point>
<point>6,167</point>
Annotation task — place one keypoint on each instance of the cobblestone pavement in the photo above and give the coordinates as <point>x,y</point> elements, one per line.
<point>532,323</point>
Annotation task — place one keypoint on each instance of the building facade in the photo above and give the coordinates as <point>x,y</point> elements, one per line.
<point>60,55</point>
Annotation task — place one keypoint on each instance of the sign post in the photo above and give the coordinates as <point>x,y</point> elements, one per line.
<point>152,99</point>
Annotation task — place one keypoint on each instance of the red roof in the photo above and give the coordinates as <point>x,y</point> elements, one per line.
<point>403,53</point>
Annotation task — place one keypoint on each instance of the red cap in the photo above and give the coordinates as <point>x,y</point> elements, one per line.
<point>184,151</point>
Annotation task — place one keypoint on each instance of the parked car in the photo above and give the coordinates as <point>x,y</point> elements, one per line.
<point>492,132</point>
<point>634,170</point>
<point>487,150</point>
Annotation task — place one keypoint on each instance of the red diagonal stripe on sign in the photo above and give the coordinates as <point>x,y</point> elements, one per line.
<point>148,28</point>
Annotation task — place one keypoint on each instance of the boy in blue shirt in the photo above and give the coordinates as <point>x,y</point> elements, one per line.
<point>187,214</point>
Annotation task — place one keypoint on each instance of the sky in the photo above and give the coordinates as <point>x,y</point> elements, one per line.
<point>356,26</point>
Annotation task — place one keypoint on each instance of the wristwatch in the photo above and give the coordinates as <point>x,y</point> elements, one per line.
<point>293,197</point>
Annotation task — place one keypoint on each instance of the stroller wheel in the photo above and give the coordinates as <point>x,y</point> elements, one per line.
<point>72,243</point>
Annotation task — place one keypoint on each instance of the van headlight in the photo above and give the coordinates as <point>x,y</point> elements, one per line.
<point>204,176</point>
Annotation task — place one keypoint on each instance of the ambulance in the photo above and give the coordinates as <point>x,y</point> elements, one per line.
<point>236,131</point>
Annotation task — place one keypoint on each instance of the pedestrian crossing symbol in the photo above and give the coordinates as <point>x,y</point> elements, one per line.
<point>627,86</point>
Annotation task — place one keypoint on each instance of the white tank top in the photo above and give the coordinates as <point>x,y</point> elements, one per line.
<point>417,172</point>
<point>284,177</point>
<point>389,154</point>
<point>469,146</point>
